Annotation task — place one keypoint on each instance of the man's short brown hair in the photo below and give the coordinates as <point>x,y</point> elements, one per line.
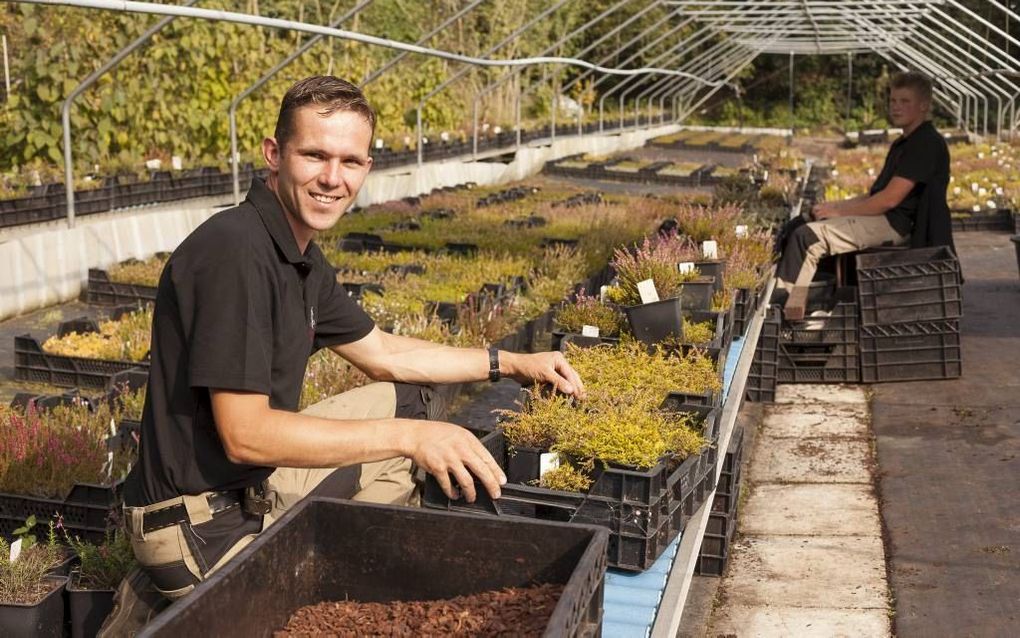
<point>919,82</point>
<point>329,92</point>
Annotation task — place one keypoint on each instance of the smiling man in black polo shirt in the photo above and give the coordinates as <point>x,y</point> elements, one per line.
<point>241,305</point>
<point>906,204</point>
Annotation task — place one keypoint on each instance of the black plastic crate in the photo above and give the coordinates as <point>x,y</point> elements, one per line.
<point>100,290</point>
<point>911,351</point>
<point>88,511</point>
<point>764,372</point>
<point>330,549</point>
<point>922,284</point>
<point>32,363</point>
<point>840,326</point>
<point>999,220</point>
<point>718,544</point>
<point>709,565</point>
<point>819,363</point>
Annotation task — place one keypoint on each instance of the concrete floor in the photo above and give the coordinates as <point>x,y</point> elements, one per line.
<point>949,466</point>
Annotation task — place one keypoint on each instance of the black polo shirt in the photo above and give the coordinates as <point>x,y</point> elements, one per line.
<point>923,158</point>
<point>239,308</point>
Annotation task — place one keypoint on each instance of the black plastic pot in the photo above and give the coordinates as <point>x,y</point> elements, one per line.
<point>88,609</point>
<point>697,295</point>
<point>653,322</point>
<point>1016,245</point>
<point>523,464</point>
<point>713,268</point>
<point>45,619</point>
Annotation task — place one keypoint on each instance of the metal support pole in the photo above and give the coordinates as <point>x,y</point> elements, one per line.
<point>792,120</point>
<point>232,111</point>
<point>849,86</point>
<point>65,109</point>
<point>7,71</point>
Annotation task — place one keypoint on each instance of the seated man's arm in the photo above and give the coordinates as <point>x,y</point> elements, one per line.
<point>254,433</point>
<point>387,357</point>
<point>878,204</point>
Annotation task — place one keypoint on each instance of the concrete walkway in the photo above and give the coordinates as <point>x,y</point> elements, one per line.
<point>809,559</point>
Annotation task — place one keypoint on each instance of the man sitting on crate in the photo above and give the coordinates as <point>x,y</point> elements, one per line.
<point>906,204</point>
<point>242,303</point>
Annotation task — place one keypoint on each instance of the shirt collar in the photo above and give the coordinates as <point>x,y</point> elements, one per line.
<point>903,138</point>
<point>274,218</point>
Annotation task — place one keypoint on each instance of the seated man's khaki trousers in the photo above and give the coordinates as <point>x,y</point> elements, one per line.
<point>167,555</point>
<point>810,242</point>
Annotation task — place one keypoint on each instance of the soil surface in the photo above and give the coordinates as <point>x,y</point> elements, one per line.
<point>510,612</point>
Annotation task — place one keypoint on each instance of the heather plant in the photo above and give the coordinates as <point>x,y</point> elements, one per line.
<point>22,580</point>
<point>701,223</point>
<point>698,332</point>
<point>44,454</point>
<point>655,261</point>
<point>126,339</point>
<point>102,566</point>
<point>142,273</point>
<point>565,478</point>
<point>587,310</point>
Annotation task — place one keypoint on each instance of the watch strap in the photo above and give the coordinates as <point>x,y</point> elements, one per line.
<point>494,374</point>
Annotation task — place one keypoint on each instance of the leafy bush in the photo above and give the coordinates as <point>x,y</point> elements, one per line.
<point>127,339</point>
<point>102,566</point>
<point>21,581</point>
<point>589,311</point>
<point>565,478</point>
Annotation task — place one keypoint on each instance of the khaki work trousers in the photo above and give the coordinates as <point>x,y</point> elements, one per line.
<point>388,482</point>
<point>835,236</point>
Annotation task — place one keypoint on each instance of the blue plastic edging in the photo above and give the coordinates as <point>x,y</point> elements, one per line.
<point>632,600</point>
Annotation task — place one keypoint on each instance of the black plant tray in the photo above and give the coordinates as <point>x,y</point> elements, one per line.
<point>32,363</point>
<point>840,327</point>
<point>838,363</point>
<point>328,549</point>
<point>89,511</point>
<point>100,290</point>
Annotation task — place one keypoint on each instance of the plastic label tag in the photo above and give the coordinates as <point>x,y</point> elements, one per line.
<point>379,143</point>
<point>113,428</point>
<point>602,293</point>
<point>177,163</point>
<point>685,267</point>
<point>589,331</point>
<point>741,231</point>
<point>548,461</point>
<point>15,550</point>
<point>710,249</point>
<point>647,291</point>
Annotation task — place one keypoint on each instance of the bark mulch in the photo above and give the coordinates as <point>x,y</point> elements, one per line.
<point>509,612</point>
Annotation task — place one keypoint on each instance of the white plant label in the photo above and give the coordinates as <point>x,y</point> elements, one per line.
<point>15,550</point>
<point>741,231</point>
<point>379,143</point>
<point>687,266</point>
<point>602,293</point>
<point>548,461</point>
<point>710,249</point>
<point>589,331</point>
<point>153,164</point>
<point>177,163</point>
<point>113,428</point>
<point>647,291</point>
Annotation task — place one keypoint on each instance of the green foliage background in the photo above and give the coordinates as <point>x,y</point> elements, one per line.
<point>171,97</point>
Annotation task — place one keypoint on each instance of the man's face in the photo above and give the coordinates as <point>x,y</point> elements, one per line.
<point>320,169</point>
<point>906,107</point>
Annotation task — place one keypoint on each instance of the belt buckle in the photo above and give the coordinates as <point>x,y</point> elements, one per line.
<point>255,501</point>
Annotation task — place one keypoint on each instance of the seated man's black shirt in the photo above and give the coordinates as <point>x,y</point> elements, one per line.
<point>238,308</point>
<point>923,158</point>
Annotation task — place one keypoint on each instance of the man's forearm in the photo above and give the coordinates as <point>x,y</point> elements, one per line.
<point>286,439</point>
<point>864,206</point>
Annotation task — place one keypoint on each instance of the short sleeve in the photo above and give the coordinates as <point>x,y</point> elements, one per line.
<point>340,319</point>
<point>918,161</point>
<point>227,319</point>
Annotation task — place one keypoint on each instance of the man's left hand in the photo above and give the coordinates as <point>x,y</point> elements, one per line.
<point>825,210</point>
<point>544,367</point>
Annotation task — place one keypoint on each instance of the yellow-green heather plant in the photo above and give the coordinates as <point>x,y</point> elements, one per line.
<point>698,332</point>
<point>127,339</point>
<point>143,273</point>
<point>587,310</point>
<point>565,478</point>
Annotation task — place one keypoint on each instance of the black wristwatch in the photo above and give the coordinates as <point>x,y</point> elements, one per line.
<point>494,375</point>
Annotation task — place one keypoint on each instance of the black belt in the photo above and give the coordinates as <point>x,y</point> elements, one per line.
<point>176,514</point>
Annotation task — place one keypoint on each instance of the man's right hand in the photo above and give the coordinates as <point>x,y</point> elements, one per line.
<point>444,449</point>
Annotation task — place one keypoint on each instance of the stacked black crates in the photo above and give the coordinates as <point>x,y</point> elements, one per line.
<point>761,380</point>
<point>911,304</point>
<point>722,520</point>
<point>822,348</point>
